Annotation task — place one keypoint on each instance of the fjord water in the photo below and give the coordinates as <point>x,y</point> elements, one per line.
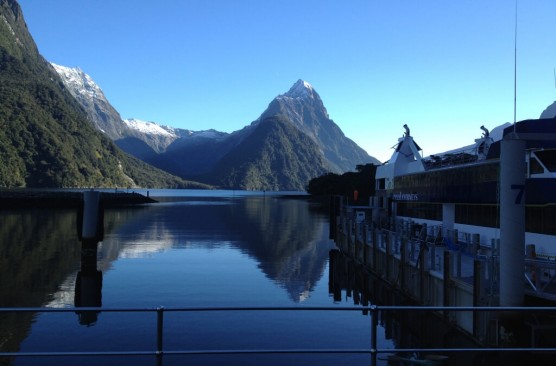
<point>202,249</point>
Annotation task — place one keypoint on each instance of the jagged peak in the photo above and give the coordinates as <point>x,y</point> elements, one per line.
<point>301,89</point>
<point>80,82</point>
<point>69,70</point>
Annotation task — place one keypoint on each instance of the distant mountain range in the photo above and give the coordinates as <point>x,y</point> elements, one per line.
<point>59,130</point>
<point>293,141</point>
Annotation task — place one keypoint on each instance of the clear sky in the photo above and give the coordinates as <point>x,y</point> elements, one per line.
<point>444,67</point>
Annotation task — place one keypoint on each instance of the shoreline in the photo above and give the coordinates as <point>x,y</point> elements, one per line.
<point>65,199</point>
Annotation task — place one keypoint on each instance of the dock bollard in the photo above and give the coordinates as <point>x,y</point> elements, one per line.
<point>91,218</point>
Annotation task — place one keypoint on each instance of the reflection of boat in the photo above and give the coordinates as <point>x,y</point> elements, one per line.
<point>462,186</point>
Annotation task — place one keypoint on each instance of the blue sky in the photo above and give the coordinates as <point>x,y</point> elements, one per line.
<point>443,67</point>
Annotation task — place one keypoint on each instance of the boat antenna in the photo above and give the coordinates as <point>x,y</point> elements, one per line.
<point>554,78</point>
<point>515,68</point>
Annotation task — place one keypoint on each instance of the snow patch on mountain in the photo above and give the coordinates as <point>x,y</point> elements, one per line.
<point>153,128</point>
<point>78,81</point>
<point>209,134</point>
<point>301,89</point>
<point>147,127</point>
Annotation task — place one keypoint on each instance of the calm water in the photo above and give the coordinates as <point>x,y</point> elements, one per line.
<point>204,248</point>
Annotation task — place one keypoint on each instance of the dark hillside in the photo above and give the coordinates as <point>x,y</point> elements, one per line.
<point>46,139</point>
<point>275,156</point>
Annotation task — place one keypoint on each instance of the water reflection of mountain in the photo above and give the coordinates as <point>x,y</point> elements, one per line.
<point>284,236</point>
<point>40,253</point>
<point>38,250</point>
<point>288,240</point>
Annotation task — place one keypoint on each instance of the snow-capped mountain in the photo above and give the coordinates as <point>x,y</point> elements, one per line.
<point>143,139</point>
<point>101,113</point>
<point>80,82</point>
<point>292,141</point>
<point>304,108</point>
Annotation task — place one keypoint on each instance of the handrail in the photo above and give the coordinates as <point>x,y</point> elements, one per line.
<point>373,350</point>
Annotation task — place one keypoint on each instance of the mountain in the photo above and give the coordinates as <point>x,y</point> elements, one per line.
<point>266,155</point>
<point>46,139</point>
<point>104,117</point>
<point>139,138</point>
<point>274,156</point>
<point>304,109</point>
<point>549,112</point>
<point>245,158</point>
<point>161,138</point>
<point>142,139</point>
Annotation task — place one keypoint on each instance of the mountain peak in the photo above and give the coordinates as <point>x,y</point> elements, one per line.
<point>79,82</point>
<point>301,89</point>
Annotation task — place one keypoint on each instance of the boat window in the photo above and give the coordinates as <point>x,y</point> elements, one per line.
<point>535,167</point>
<point>381,183</point>
<point>547,158</point>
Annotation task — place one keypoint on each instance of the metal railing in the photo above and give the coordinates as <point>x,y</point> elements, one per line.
<point>373,350</point>
<point>540,275</point>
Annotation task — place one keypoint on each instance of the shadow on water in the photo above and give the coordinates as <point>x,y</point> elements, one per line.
<point>37,252</point>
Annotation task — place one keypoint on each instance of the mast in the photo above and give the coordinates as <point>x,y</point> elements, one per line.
<point>515,68</point>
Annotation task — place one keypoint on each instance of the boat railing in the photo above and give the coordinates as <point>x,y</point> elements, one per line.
<point>373,350</point>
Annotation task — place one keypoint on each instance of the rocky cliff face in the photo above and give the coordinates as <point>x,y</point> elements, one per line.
<point>101,113</point>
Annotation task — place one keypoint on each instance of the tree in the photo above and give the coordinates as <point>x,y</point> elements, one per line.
<point>362,181</point>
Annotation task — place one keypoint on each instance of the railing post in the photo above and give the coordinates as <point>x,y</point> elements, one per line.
<point>447,280</point>
<point>478,281</point>
<point>388,254</point>
<point>374,326</point>
<point>159,331</point>
<point>401,268</point>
